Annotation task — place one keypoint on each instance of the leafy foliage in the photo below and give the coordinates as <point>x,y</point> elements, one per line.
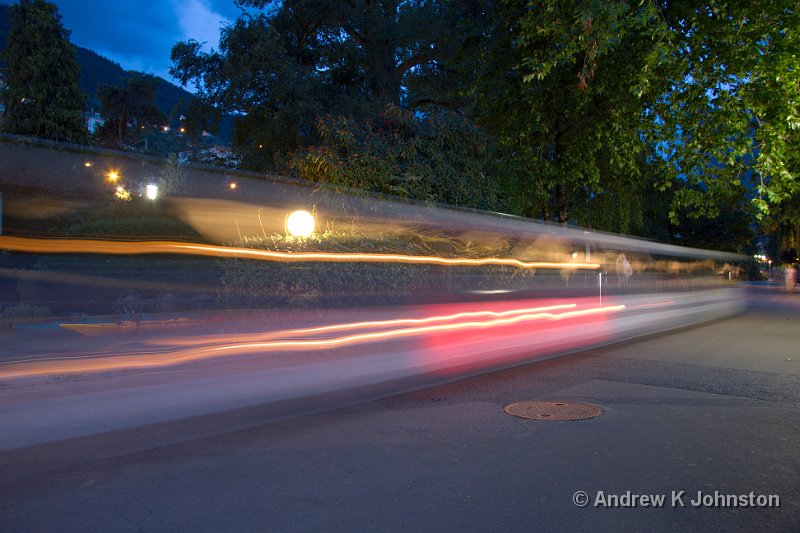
<point>173,178</point>
<point>129,109</point>
<point>293,61</point>
<point>646,117</point>
<point>730,115</point>
<point>559,87</point>
<point>439,158</point>
<point>42,97</point>
<point>596,103</point>
<point>783,224</point>
<point>200,116</point>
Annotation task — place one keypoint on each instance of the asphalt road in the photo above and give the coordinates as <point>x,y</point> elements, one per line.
<point>714,408</point>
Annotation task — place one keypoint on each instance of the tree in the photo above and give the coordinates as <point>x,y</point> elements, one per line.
<point>200,116</point>
<point>172,177</point>
<point>592,99</point>
<point>43,97</point>
<point>129,109</point>
<point>600,109</point>
<point>783,227</point>
<point>735,99</point>
<point>296,60</point>
<point>557,82</point>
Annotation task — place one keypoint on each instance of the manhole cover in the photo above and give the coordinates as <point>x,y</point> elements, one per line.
<point>554,410</point>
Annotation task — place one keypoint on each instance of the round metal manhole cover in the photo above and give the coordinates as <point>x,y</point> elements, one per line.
<point>554,410</point>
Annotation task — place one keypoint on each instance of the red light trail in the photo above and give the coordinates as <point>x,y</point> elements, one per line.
<point>227,345</point>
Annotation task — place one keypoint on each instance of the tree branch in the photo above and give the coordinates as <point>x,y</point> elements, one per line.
<point>351,30</point>
<point>411,62</point>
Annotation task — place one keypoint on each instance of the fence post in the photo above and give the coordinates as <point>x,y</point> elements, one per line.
<point>600,284</point>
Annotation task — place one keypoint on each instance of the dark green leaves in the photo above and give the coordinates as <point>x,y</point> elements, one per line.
<point>42,97</point>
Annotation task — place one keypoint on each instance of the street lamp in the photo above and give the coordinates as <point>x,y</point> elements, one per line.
<point>300,224</point>
<point>151,191</point>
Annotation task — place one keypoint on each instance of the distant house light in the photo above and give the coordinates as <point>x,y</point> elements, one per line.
<point>94,121</point>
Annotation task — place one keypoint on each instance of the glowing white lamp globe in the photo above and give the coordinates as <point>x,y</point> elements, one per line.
<point>300,224</point>
<point>151,191</point>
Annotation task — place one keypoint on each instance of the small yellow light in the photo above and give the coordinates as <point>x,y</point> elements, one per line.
<point>113,175</point>
<point>232,185</point>
<point>300,224</point>
<point>122,194</point>
<point>88,164</point>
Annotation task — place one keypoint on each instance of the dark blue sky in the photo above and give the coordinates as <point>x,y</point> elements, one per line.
<point>138,34</point>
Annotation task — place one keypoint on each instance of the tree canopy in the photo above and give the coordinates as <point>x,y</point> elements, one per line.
<point>129,109</point>
<point>42,97</point>
<point>296,60</point>
<point>728,117</point>
<point>599,110</point>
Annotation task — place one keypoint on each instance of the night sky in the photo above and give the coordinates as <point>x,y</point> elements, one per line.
<point>139,34</point>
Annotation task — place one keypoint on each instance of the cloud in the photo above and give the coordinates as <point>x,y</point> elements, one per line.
<point>197,20</point>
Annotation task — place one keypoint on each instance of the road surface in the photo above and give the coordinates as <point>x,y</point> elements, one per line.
<point>696,416</point>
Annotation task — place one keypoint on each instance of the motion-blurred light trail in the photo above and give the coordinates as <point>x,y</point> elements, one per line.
<point>383,335</point>
<point>180,356</point>
<point>95,246</point>
<point>215,340</point>
<point>376,324</point>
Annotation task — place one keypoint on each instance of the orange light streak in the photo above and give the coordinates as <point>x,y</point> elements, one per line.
<point>94,246</point>
<point>134,361</point>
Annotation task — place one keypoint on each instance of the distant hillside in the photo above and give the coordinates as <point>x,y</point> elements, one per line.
<point>96,70</point>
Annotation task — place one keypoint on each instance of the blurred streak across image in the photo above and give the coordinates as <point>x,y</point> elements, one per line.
<point>153,308</point>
